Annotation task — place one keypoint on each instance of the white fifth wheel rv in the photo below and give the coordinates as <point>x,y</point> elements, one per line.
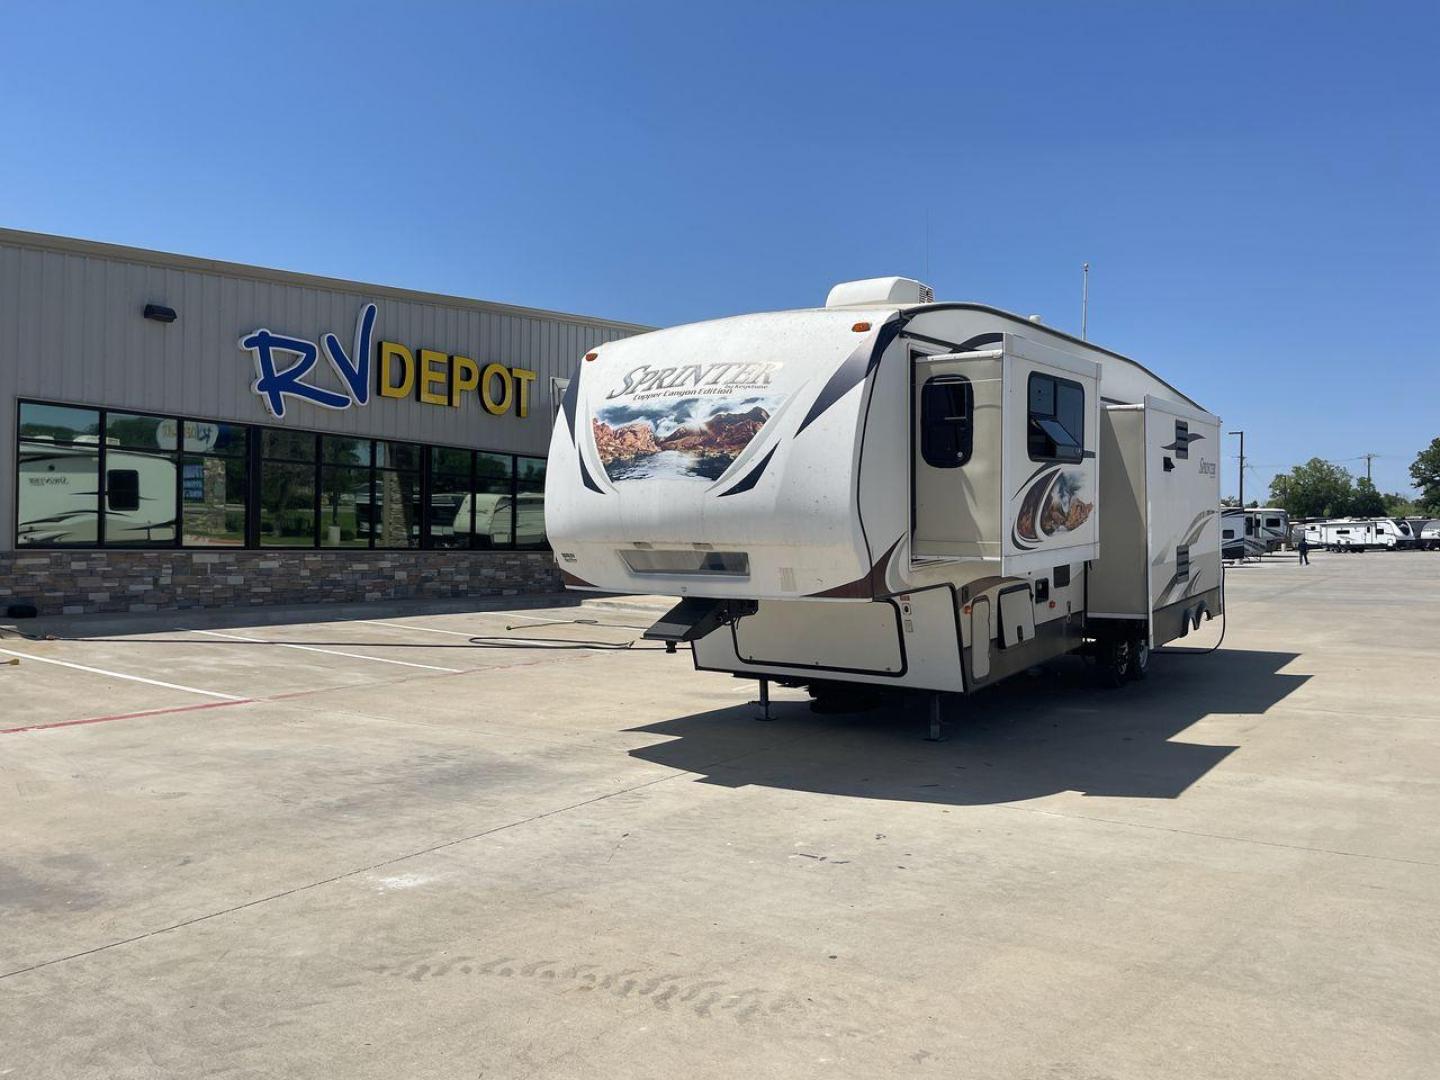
<point>1272,526</point>
<point>888,491</point>
<point>1239,535</point>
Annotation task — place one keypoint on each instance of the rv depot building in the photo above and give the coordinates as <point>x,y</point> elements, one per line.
<point>177,432</point>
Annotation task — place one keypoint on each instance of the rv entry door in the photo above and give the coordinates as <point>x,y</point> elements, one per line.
<point>955,454</point>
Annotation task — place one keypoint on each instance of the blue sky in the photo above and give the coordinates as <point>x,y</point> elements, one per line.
<point>1256,186</point>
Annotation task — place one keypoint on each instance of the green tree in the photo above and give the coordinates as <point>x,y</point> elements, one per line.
<point>1366,502</point>
<point>1425,472</point>
<point>1400,506</point>
<point>1316,489</point>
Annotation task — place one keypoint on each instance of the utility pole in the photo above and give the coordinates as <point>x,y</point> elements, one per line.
<point>1368,458</point>
<point>1242,465</point>
<point>1084,301</point>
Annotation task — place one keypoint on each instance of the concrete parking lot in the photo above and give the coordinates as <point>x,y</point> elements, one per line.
<point>449,841</point>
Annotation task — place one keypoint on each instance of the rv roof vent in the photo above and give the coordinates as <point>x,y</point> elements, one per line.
<point>1036,319</point>
<point>880,291</point>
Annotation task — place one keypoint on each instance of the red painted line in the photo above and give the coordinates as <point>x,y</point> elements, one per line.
<point>126,716</point>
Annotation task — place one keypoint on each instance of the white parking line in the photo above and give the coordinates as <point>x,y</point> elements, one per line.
<point>330,652</point>
<point>122,675</point>
<point>406,626</point>
<point>468,633</point>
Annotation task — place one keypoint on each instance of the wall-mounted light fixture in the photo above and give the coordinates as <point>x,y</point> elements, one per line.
<point>160,313</point>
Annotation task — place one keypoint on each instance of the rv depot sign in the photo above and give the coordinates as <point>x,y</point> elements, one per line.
<point>283,364</point>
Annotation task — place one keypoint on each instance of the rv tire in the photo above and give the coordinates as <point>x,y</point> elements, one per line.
<point>1139,659</point>
<point>1112,655</point>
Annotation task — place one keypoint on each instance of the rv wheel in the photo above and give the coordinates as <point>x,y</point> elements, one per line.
<point>1113,658</point>
<point>1139,659</point>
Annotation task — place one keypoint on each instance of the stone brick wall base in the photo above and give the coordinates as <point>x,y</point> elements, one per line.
<point>86,582</point>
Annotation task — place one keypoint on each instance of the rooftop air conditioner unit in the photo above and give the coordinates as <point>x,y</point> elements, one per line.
<point>880,291</point>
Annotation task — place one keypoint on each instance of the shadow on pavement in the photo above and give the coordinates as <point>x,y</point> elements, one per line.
<point>1031,736</point>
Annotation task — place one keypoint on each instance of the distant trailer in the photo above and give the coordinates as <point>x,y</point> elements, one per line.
<point>1354,534</point>
<point>1271,526</point>
<point>1239,538</point>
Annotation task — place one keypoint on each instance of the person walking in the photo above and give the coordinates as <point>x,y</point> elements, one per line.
<point>1303,547</point>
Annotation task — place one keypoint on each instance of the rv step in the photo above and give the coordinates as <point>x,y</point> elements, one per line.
<point>694,617</point>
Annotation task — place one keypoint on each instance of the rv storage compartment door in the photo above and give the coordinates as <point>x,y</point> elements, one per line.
<point>955,455</point>
<point>1119,586</point>
<point>1017,616</point>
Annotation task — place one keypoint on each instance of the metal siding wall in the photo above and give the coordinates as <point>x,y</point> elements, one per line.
<point>71,330</point>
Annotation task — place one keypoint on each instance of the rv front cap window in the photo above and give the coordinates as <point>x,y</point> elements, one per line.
<point>946,431</point>
<point>1056,428</point>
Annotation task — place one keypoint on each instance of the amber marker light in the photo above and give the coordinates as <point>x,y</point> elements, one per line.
<point>860,327</point>
<point>591,355</point>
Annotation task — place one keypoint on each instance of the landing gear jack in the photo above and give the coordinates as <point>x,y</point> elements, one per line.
<point>764,701</point>
<point>935,735</point>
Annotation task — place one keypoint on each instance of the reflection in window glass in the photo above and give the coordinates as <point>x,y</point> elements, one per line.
<point>204,437</point>
<point>445,459</point>
<point>345,451</point>
<point>287,505</point>
<point>489,502</point>
<point>59,485</point>
<point>59,424</point>
<point>389,455</point>
<point>287,445</point>
<point>138,432</point>
<point>212,490</point>
<point>450,510</point>
<point>529,510</point>
<point>139,496</point>
<point>344,496</point>
<point>395,515</point>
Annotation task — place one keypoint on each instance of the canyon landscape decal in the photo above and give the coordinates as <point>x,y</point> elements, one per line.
<point>690,421</point>
<point>1052,505</point>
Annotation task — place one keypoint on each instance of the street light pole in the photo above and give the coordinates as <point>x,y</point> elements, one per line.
<point>1242,465</point>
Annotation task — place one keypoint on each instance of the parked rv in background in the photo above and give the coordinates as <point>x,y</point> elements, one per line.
<point>1427,533</point>
<point>1239,537</point>
<point>1355,534</point>
<point>1271,526</point>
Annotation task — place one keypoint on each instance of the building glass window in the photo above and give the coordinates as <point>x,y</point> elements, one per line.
<point>287,500</point>
<point>451,510</point>
<point>140,480</point>
<point>530,503</point>
<point>213,491</point>
<point>345,491</point>
<point>58,490</point>
<point>396,509</point>
<point>101,477</point>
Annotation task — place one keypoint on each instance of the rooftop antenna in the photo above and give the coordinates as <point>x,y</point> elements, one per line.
<point>927,245</point>
<point>1084,301</point>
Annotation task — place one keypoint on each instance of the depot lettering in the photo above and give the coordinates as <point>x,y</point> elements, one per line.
<point>283,366</point>
<point>438,378</point>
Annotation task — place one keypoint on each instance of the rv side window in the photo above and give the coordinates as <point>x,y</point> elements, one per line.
<point>122,489</point>
<point>1272,523</point>
<point>1056,429</point>
<point>946,433</point>
<point>1229,534</point>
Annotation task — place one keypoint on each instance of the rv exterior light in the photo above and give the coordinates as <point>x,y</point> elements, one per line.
<point>860,327</point>
<point>591,355</point>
